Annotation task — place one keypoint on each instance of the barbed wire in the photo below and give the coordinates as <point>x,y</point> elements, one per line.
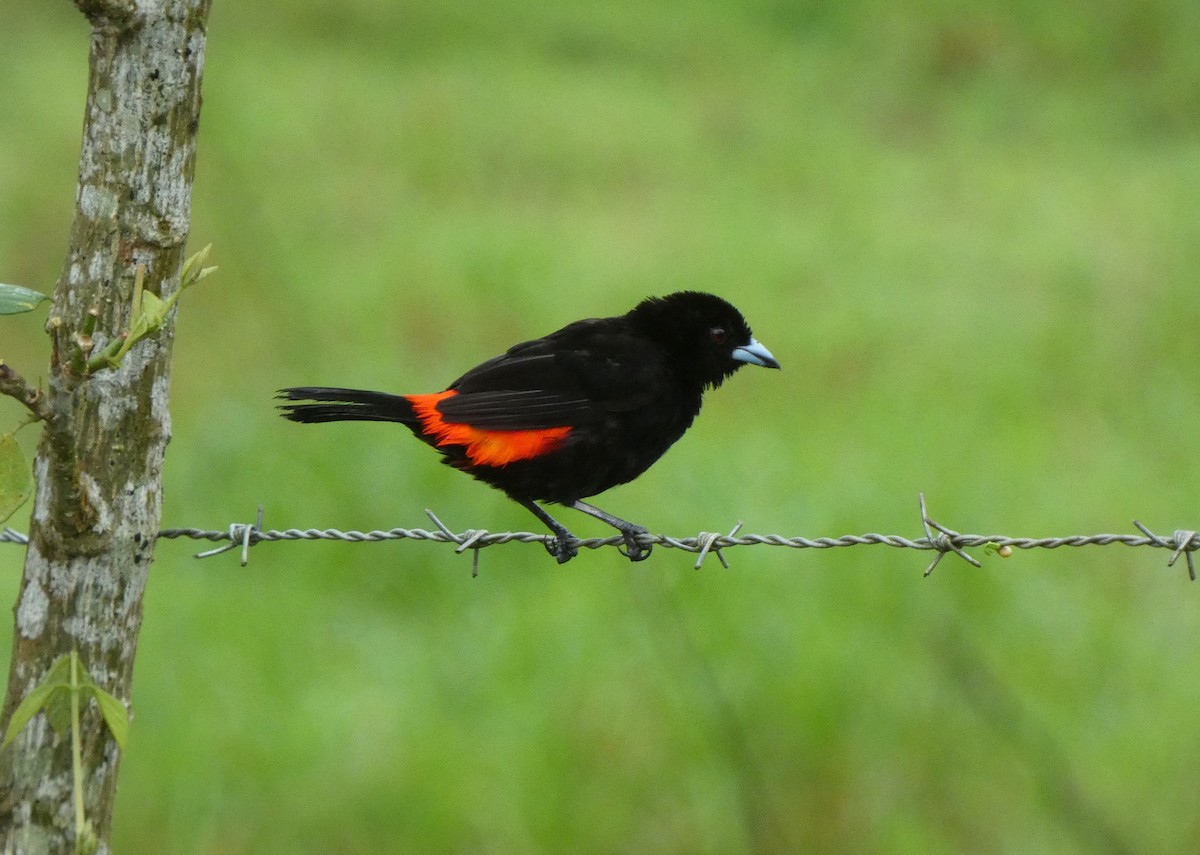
<point>945,540</point>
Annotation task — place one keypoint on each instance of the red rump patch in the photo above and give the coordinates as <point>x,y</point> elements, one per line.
<point>483,447</point>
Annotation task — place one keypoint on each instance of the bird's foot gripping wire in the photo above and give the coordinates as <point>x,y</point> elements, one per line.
<point>631,533</point>
<point>634,549</point>
<point>562,546</point>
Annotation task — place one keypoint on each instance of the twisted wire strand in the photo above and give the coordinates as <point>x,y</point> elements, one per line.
<point>480,539</point>
<point>704,544</point>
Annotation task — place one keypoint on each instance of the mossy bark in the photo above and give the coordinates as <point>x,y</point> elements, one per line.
<point>98,496</point>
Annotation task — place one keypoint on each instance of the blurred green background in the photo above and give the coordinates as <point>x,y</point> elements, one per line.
<point>971,236</point>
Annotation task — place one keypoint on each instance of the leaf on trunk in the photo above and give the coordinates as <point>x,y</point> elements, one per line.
<point>15,480</point>
<point>52,694</point>
<point>116,716</point>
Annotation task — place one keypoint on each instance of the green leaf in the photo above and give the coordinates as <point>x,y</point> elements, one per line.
<point>153,310</point>
<point>138,329</point>
<point>51,694</point>
<point>194,269</point>
<point>16,483</point>
<point>60,671</point>
<point>58,710</point>
<point>30,706</point>
<point>58,704</point>
<point>149,311</point>
<point>116,716</point>
<point>14,299</point>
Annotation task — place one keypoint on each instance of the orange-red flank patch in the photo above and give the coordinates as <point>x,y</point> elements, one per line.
<point>484,447</point>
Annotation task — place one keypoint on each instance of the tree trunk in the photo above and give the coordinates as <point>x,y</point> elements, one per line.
<point>98,487</point>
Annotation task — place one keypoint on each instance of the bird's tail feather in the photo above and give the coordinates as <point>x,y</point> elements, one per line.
<point>345,405</point>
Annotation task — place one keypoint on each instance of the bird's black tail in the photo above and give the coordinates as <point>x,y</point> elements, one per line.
<point>324,404</point>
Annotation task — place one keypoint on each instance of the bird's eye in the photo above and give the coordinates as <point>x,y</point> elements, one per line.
<point>717,335</point>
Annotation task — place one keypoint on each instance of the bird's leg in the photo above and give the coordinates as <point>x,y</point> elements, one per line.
<point>634,550</point>
<point>563,547</point>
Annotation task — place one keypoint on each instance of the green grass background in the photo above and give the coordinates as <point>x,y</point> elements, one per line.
<point>971,236</point>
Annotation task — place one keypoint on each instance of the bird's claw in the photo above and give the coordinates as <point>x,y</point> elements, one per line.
<point>561,548</point>
<point>633,549</point>
<point>564,548</point>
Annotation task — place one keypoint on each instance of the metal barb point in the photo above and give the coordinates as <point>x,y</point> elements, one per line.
<point>706,539</point>
<point>471,541</point>
<point>1154,538</point>
<point>934,563</point>
<point>925,524</point>
<point>1180,542</point>
<point>948,539</point>
<point>944,542</point>
<point>708,543</point>
<point>467,540</point>
<point>451,536</point>
<point>1183,542</point>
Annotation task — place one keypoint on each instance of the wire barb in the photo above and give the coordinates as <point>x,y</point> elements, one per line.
<point>451,536</point>
<point>8,535</point>
<point>710,542</point>
<point>1181,542</point>
<point>470,539</point>
<point>943,543</point>
<point>244,533</point>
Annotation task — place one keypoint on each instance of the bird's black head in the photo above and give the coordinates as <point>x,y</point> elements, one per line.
<point>708,338</point>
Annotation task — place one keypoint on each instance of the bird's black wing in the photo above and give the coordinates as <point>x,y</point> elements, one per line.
<point>573,377</point>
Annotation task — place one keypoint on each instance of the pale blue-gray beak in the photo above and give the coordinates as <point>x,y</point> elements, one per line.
<point>755,354</point>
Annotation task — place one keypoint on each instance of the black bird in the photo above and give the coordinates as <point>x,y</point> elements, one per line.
<point>564,417</point>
